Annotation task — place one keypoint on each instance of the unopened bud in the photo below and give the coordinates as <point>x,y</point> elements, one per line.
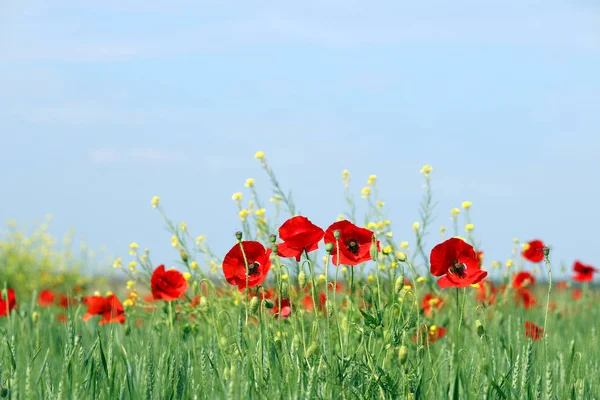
<point>374,250</point>
<point>268,303</point>
<point>35,317</point>
<point>399,284</point>
<point>274,249</point>
<point>403,354</point>
<point>285,290</point>
<point>272,238</point>
<point>480,328</point>
<point>184,256</point>
<point>254,302</point>
<point>401,256</point>
<point>238,236</point>
<point>203,306</point>
<point>546,251</point>
<point>302,279</point>
<point>329,247</point>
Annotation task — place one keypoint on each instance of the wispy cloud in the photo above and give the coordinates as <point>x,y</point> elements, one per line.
<point>142,155</point>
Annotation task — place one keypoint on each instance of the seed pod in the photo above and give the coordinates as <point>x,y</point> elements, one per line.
<point>184,256</point>
<point>329,247</point>
<point>285,290</point>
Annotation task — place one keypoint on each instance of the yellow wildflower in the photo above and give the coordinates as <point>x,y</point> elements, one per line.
<point>416,226</point>
<point>194,265</point>
<point>366,191</point>
<point>260,212</point>
<point>187,276</point>
<point>469,227</point>
<point>426,170</point>
<point>237,196</point>
<point>155,201</point>
<point>130,284</point>
<point>372,179</point>
<point>455,211</point>
<point>259,155</point>
<point>249,182</point>
<point>466,205</point>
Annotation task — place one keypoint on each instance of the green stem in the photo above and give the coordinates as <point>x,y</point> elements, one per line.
<point>547,260</point>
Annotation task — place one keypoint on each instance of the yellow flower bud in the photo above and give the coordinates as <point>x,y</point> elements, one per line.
<point>466,205</point>
<point>259,155</point>
<point>155,201</point>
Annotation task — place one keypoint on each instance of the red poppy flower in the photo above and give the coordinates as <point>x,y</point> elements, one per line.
<point>457,264</point>
<point>7,303</point>
<point>64,301</point>
<point>487,293</point>
<point>523,279</point>
<point>109,308</point>
<point>298,234</point>
<point>583,272</point>
<point>259,263</point>
<point>167,285</point>
<point>562,285</point>
<point>433,334</point>
<point>480,258</point>
<point>46,298</point>
<point>576,294</point>
<point>308,302</point>
<point>430,302</point>
<point>533,331</point>
<point>286,308</point>
<point>355,243</point>
<point>534,251</point>
<point>525,296</point>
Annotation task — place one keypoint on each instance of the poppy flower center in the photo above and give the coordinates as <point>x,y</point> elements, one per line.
<point>353,246</point>
<point>458,269</point>
<point>253,268</point>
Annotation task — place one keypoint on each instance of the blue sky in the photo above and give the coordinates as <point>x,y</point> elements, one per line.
<point>103,106</point>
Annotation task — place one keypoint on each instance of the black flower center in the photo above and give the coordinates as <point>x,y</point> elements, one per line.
<point>253,268</point>
<point>458,269</point>
<point>353,246</point>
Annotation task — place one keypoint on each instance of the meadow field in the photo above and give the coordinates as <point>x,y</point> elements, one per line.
<point>295,310</point>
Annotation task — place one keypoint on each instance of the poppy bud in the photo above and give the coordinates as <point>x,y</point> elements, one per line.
<point>399,284</point>
<point>480,328</point>
<point>336,234</point>
<point>184,256</point>
<point>268,303</point>
<point>285,290</point>
<point>546,251</point>
<point>274,249</point>
<point>328,247</point>
<point>403,354</point>
<point>302,279</point>
<point>238,236</point>
<point>272,238</point>
<point>204,304</point>
<point>374,250</point>
<point>254,304</point>
<point>35,316</point>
